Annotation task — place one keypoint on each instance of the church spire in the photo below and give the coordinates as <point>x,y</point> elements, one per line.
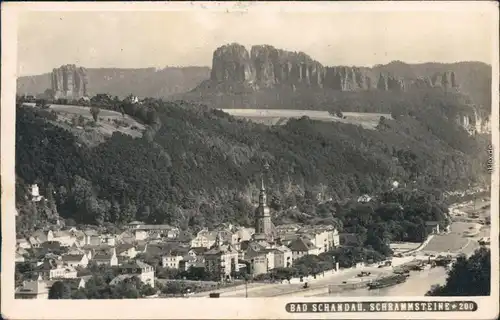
<point>262,195</point>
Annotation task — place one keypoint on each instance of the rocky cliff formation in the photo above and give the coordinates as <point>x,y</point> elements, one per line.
<point>267,67</point>
<point>121,82</point>
<point>69,82</point>
<point>444,79</point>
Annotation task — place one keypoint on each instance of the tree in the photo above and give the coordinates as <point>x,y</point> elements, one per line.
<point>59,290</point>
<point>95,113</point>
<point>467,277</point>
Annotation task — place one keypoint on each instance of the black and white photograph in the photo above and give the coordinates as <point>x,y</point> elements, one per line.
<point>299,157</point>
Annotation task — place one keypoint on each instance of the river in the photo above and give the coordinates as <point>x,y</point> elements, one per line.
<point>417,284</point>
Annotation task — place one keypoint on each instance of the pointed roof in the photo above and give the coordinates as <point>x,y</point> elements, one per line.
<point>73,257</point>
<point>301,244</point>
<point>33,287</point>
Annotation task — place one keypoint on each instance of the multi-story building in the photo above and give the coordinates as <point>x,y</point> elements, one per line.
<point>240,235</point>
<point>222,259</point>
<point>106,257</point>
<point>142,270</point>
<point>75,260</point>
<point>37,289</point>
<point>323,238</point>
<point>126,250</point>
<point>65,238</point>
<point>302,247</point>
<point>260,259</point>
<point>204,238</point>
<point>172,259</point>
<point>283,257</point>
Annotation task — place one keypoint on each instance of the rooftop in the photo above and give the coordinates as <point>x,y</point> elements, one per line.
<point>301,244</point>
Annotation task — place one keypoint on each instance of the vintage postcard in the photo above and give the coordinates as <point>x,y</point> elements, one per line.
<point>250,160</point>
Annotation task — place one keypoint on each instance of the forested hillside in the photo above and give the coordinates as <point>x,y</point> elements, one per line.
<point>198,167</point>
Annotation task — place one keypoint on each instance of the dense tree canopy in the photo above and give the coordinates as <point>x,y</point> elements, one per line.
<point>468,276</point>
<point>197,167</point>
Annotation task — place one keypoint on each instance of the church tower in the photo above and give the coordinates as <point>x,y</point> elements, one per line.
<point>263,224</point>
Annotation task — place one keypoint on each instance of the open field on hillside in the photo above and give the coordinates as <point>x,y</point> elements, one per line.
<point>281,116</point>
<point>109,122</point>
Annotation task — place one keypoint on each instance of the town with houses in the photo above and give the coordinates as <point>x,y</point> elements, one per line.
<point>225,251</point>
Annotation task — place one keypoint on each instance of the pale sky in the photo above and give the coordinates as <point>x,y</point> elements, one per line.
<point>188,38</point>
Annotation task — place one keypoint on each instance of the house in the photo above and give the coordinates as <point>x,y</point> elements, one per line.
<point>204,238</point>
<point>260,259</point>
<point>184,237</point>
<point>365,198</point>
<point>323,238</point>
<point>134,224</point>
<point>172,259</point>
<point>222,259</point>
<point>126,251</point>
<point>242,234</point>
<point>432,227</point>
<point>108,258</point>
<point>37,289</point>
<point>38,237</point>
<point>140,234</point>
<point>283,257</point>
<point>121,278</point>
<point>287,238</point>
<point>35,193</point>
<point>190,261</point>
<point>74,250</point>
<point>76,260</point>
<point>53,268</point>
<point>21,251</point>
<point>51,246</point>
<point>23,243</point>
<point>225,235</point>
<point>126,237</point>
<point>19,258</point>
<point>197,251</point>
<point>164,229</point>
<point>63,272</point>
<point>158,249</point>
<point>141,247</point>
<point>144,271</point>
<point>65,238</point>
<point>287,228</point>
<point>108,239</point>
<point>79,237</point>
<point>34,242</point>
<point>155,236</point>
<point>302,247</point>
<point>91,237</point>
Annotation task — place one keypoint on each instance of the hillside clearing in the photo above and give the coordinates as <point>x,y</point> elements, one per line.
<point>281,116</point>
<point>78,120</point>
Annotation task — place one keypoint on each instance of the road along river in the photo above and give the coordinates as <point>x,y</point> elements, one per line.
<point>462,238</point>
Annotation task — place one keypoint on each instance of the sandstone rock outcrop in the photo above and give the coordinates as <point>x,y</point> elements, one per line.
<point>445,80</point>
<point>267,67</point>
<point>388,82</point>
<point>348,79</point>
<point>232,63</point>
<point>69,82</point>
